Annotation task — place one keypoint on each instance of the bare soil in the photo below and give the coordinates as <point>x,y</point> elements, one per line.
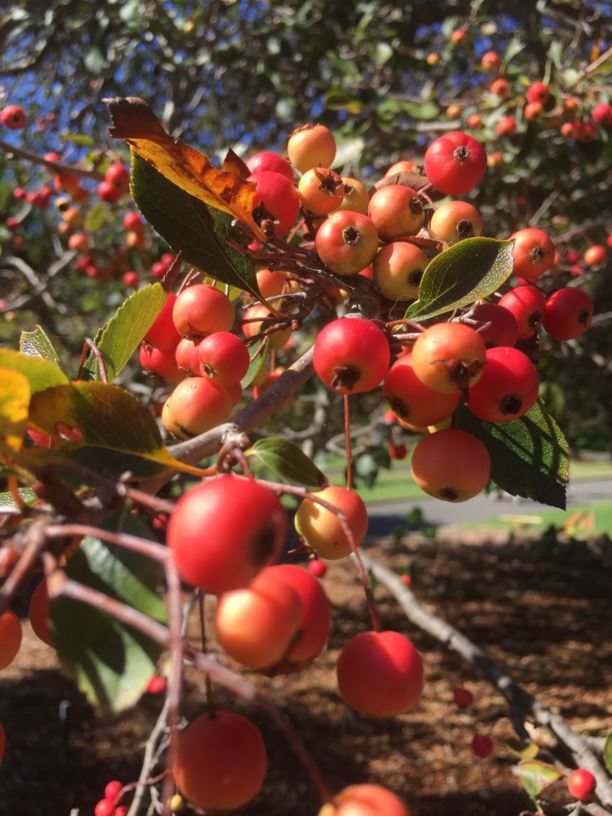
<point>545,617</point>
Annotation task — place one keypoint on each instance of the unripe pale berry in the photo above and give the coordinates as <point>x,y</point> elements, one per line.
<point>224,531</point>
<point>321,190</point>
<point>533,253</point>
<point>323,530</point>
<point>396,210</point>
<point>356,198</point>
<point>451,464</point>
<point>508,387</point>
<point>311,146</point>
<point>197,404</point>
<point>455,220</point>
<point>257,318</point>
<point>398,269</point>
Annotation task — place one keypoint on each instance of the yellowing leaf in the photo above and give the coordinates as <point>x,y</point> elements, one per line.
<point>226,189</point>
<point>14,408</point>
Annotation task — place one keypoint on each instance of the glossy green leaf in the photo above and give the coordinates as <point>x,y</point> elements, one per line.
<point>199,232</point>
<point>40,373</point>
<point>8,504</point>
<point>535,776</point>
<point>36,343</point>
<point>124,332</point>
<point>288,461</point>
<point>110,662</point>
<point>258,361</point>
<point>464,273</point>
<point>529,456</point>
<point>607,753</point>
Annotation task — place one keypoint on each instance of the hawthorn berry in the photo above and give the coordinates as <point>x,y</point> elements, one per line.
<point>499,324</point>
<point>365,800</point>
<point>322,529</point>
<point>397,452</point>
<point>490,61</point>
<point>412,400</point>
<point>532,110</point>
<point>321,190</point>
<point>224,531</point>
<point>402,166</point>
<point>538,92</point>
<point>581,784</point>
<point>10,637</point>
<point>13,117</point>
<point>187,357</point>
<point>602,114</point>
<point>130,279</point>
<point>104,808</point>
<point>451,464</point>
<point>157,684</point>
<point>317,568</point>
<point>380,674</point>
<point>508,387</point>
<point>270,282</point>
<point>132,221</point>
<point>398,269</point>
<point>356,198</point>
<point>482,745</point>
<point>257,318</point>
<point>223,357</point>
<point>162,333</point>
<point>455,163</point>
<point>197,404</point>
<point>270,162</point>
<point>113,789</point>
<point>311,146</point>
<point>396,210</point>
<point>277,202</point>
<point>201,309</point>
<point>109,192</point>
<point>474,121</point>
<point>506,126</point>
<point>595,255</point>
<point>38,612</point>
<point>455,220</point>
<point>447,357</point>
<point>500,87</point>
<point>118,175</point>
<point>526,304</point>
<point>220,761</point>
<point>351,355</point>
<point>533,253</point>
<point>568,313</point>
<point>463,697</point>
<point>346,242</point>
<point>160,362</point>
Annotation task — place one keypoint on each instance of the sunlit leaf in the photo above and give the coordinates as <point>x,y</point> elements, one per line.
<point>36,343</point>
<point>288,461</point>
<point>40,373</point>
<point>14,405</point>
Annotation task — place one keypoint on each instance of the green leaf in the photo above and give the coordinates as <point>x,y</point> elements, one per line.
<point>536,775</point>
<point>391,108</point>
<point>36,343</point>
<point>529,456</point>
<point>607,753</point>
<point>199,232</point>
<point>343,100</point>
<point>514,48</point>
<point>96,217</point>
<point>40,373</point>
<point>7,502</point>
<point>110,662</point>
<point>464,273</point>
<point>522,749</point>
<point>121,336</point>
<point>288,461</point>
<point>80,139</point>
<point>258,361</point>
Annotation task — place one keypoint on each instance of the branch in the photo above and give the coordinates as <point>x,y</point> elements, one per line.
<point>55,167</point>
<point>249,418</point>
<point>521,703</point>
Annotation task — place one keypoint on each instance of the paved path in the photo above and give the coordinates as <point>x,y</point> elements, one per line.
<point>385,517</point>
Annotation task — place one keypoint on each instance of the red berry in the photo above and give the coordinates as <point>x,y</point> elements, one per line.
<point>118,175</point>
<point>317,568</point>
<point>463,697</point>
<point>380,674</point>
<point>490,61</point>
<point>568,313</point>
<point>280,202</point>
<point>406,580</point>
<point>224,531</point>
<point>223,357</point>
<point>506,126</point>
<point>132,221</point>
<point>157,684</point>
<point>109,192</point>
<point>482,746</point>
<point>455,163</point>
<point>396,210</point>
<point>130,279</point>
<point>602,114</point>
<point>508,387</point>
<point>595,255</point>
<point>573,256</point>
<point>163,333</point>
<point>113,789</point>
<point>501,88</point>
<point>502,329</point>
<point>351,355</point>
<point>526,304</point>
<point>397,452</point>
<point>365,800</point>
<point>38,612</point>
<point>447,357</point>
<point>13,117</point>
<point>10,637</point>
<point>347,242</point>
<point>270,162</point>
<point>581,784</point>
<point>186,356</point>
<point>533,253</point>
<point>412,400</point>
<point>104,808</point>
<point>160,362</point>
<point>201,310</point>
<point>538,92</point>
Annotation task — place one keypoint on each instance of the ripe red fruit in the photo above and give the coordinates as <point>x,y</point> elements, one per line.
<point>455,163</point>
<point>351,355</point>
<point>130,279</point>
<point>532,110</point>
<point>160,362</point>
<point>406,580</point>
<point>2,743</point>
<point>187,357</point>
<point>482,745</point>
<point>397,452</point>
<point>595,255</point>
<point>568,313</point>
<point>502,329</point>
<point>258,624</point>
<point>197,404</point>
<point>458,35</point>
<point>317,568</point>
<point>490,61</point>
<point>474,121</point>
<point>157,684</point>
<point>10,637</point>
<point>132,221</point>
<point>447,357</point>
<point>365,800</point>
<point>526,304</point>
<point>311,146</point>
<point>224,531</point>
<point>396,210</point>
<point>508,387</point>
<point>38,613</point>
<point>451,464</point>
<point>280,201</point>
<point>158,269</point>
<point>533,253</point>
<point>356,198</point>
<point>602,114</point>
<point>321,190</point>
<point>223,357</point>
<point>581,784</point>
<point>538,92</point>
<point>463,697</point>
<point>380,674</point>
<point>221,761</point>
<point>501,88</point>
<point>322,529</point>
<point>347,242</point>
<point>13,117</point>
<point>506,126</point>
<point>398,269</point>
<point>109,192</point>
<point>270,282</point>
<point>201,309</point>
<point>414,401</point>
<point>113,789</point>
<point>104,808</point>
<point>402,166</point>
<point>257,318</point>
<point>118,175</point>
<point>163,333</point>
<point>270,162</point>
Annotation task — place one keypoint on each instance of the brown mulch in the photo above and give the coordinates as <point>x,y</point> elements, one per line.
<point>545,617</point>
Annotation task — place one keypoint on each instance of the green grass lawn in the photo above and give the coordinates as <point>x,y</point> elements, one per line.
<point>600,513</point>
